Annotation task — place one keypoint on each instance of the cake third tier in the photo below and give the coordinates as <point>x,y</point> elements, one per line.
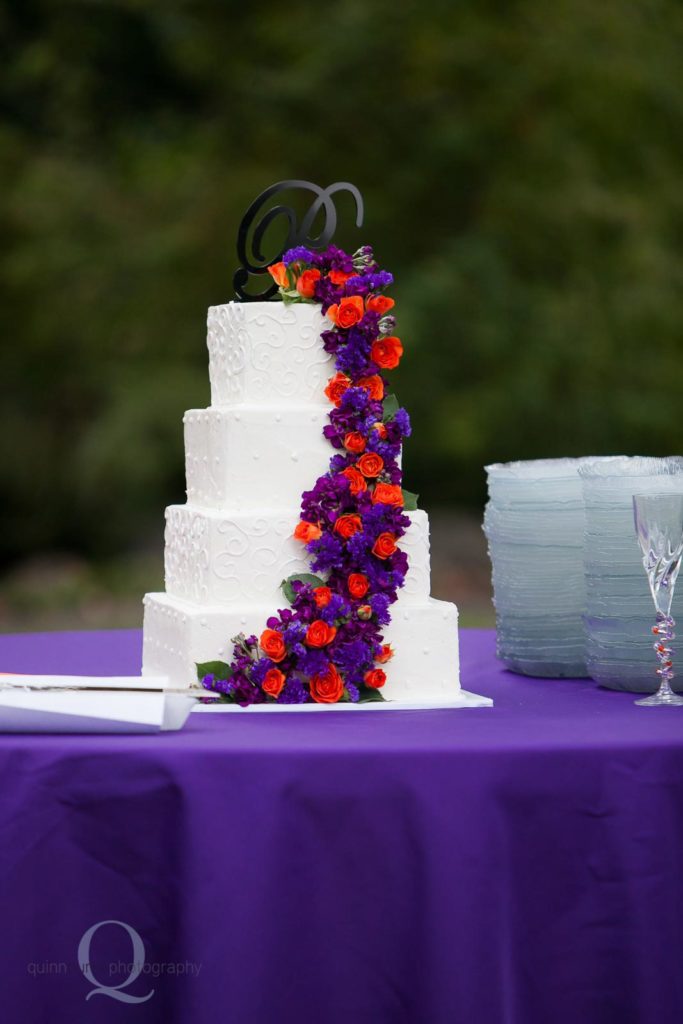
<point>240,559</point>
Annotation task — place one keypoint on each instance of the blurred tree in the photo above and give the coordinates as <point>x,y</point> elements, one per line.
<point>520,164</point>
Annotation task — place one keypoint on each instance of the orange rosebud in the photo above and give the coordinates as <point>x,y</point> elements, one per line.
<point>358,584</point>
<point>307,531</point>
<point>354,442</point>
<point>388,494</point>
<point>319,634</point>
<point>347,525</point>
<point>322,596</point>
<point>371,464</point>
<point>272,643</point>
<point>384,546</point>
<point>381,429</point>
<point>305,284</point>
<point>278,272</point>
<point>327,687</point>
<point>375,678</point>
<point>340,276</point>
<point>374,385</point>
<point>386,352</point>
<point>387,654</point>
<point>356,480</point>
<point>379,303</point>
<point>273,682</point>
<point>336,386</point>
<point>364,612</point>
<point>348,312</point>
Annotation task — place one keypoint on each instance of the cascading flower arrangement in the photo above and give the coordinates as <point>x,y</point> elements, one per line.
<point>328,645</point>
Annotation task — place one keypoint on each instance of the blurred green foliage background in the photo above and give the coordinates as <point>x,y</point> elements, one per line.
<point>521,164</point>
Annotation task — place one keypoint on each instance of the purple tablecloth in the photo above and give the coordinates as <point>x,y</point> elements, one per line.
<point>520,865</point>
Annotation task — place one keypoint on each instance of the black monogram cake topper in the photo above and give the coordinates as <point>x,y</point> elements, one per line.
<point>257,220</point>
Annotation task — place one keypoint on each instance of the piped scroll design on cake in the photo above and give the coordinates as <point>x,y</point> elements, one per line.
<point>259,217</point>
<point>328,646</point>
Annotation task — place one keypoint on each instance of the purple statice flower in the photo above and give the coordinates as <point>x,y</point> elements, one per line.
<point>295,632</point>
<point>332,341</point>
<point>401,420</point>
<point>293,692</point>
<point>300,254</point>
<point>313,661</point>
<point>353,692</point>
<point>259,668</point>
<point>336,259</point>
<point>366,283</point>
<point>380,608</point>
<point>353,658</point>
<point>326,552</point>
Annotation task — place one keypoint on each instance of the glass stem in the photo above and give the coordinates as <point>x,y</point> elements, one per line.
<point>664,633</point>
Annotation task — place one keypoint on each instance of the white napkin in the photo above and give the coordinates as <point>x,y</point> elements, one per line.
<point>83,709</point>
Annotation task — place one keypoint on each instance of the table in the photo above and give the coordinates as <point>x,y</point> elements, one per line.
<point>514,865</point>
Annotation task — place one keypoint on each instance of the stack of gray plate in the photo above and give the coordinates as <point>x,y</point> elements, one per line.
<point>619,613</point>
<point>534,525</point>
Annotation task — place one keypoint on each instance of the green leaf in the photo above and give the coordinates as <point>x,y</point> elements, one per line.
<point>368,694</point>
<point>409,501</point>
<point>390,408</point>
<point>218,669</point>
<point>300,577</point>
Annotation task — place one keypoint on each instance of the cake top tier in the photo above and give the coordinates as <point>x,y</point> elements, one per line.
<point>267,353</point>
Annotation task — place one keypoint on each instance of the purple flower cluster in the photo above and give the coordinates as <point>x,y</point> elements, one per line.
<point>328,645</point>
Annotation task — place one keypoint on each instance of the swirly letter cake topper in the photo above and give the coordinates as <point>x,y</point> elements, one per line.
<point>259,217</point>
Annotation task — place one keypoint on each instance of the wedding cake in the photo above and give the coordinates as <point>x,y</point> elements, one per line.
<point>298,571</point>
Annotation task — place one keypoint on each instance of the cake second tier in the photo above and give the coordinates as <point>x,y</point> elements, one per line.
<point>251,457</point>
<point>241,558</point>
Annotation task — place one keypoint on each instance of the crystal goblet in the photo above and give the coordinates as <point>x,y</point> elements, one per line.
<point>659,527</point>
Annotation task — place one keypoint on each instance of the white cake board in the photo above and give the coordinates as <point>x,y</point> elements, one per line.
<point>463,699</point>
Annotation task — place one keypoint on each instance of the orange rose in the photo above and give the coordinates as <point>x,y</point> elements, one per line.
<point>278,272</point>
<point>307,531</point>
<point>322,596</point>
<point>381,429</point>
<point>347,525</point>
<point>388,494</point>
<point>273,681</point>
<point>386,654</point>
<point>379,303</point>
<point>348,312</point>
<point>319,634</point>
<point>340,276</point>
<point>272,643</point>
<point>328,686</point>
<point>356,480</point>
<point>358,584</point>
<point>385,545</point>
<point>354,442</point>
<point>375,386</point>
<point>386,352</point>
<point>364,612</point>
<point>305,284</point>
<point>371,464</point>
<point>375,678</point>
<point>336,386</point>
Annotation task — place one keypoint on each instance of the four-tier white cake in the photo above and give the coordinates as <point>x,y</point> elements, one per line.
<point>249,457</point>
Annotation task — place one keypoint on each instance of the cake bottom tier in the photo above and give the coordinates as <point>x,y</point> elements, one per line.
<point>424,636</point>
